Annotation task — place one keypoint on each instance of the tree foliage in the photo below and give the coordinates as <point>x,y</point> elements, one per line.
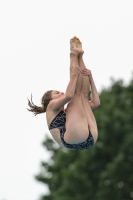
<point>104,171</point>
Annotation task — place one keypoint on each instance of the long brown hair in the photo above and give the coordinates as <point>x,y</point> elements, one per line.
<point>44,102</point>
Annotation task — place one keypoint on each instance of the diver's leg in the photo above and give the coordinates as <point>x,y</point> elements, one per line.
<point>85,89</point>
<point>74,53</point>
<point>76,121</point>
<point>92,126</point>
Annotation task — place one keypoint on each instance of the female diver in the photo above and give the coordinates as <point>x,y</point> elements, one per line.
<point>74,127</point>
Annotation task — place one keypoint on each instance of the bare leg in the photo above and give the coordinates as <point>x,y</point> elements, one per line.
<point>83,89</point>
<point>92,126</point>
<point>75,51</point>
<point>76,120</point>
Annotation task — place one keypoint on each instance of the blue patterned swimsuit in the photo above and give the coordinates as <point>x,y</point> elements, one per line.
<point>59,122</point>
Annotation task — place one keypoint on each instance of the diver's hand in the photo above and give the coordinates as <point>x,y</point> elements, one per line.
<point>86,72</point>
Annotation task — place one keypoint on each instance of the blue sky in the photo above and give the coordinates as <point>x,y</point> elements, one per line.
<point>34,57</point>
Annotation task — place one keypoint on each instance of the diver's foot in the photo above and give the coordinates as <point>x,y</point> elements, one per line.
<point>79,46</point>
<point>73,46</point>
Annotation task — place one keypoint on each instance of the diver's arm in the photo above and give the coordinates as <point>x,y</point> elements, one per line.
<point>95,101</point>
<point>70,90</point>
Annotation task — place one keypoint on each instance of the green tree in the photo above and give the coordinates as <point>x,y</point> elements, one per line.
<point>104,171</point>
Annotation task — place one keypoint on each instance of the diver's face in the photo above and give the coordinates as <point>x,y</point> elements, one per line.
<point>56,94</point>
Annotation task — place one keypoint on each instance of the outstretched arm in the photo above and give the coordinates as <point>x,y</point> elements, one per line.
<point>95,101</point>
<point>58,103</point>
